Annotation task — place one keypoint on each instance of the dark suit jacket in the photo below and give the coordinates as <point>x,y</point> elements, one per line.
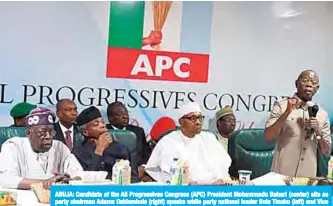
<point>60,136</point>
<point>90,161</point>
<point>142,146</point>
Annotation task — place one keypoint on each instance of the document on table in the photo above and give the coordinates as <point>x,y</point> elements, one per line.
<point>271,178</point>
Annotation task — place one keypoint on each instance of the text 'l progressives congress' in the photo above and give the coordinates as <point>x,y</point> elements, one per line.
<point>191,195</point>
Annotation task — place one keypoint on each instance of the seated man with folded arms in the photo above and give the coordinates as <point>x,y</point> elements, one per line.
<point>208,161</point>
<point>38,158</point>
<point>98,151</point>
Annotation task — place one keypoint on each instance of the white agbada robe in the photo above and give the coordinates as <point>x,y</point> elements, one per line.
<point>19,161</point>
<point>208,161</point>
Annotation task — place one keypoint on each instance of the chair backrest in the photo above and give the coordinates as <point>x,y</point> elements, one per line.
<point>8,132</point>
<point>125,137</point>
<point>250,151</point>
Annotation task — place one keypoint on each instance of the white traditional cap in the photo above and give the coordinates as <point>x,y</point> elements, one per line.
<point>189,108</point>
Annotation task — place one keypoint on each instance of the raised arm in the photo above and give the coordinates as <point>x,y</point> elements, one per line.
<point>277,118</point>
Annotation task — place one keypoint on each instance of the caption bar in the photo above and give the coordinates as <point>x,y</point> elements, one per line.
<point>191,195</point>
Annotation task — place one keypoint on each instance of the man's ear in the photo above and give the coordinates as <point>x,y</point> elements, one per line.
<point>27,131</point>
<point>218,123</point>
<point>296,83</point>
<point>180,121</point>
<point>85,133</point>
<point>110,119</point>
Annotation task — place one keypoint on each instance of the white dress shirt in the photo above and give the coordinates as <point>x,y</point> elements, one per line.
<point>64,129</point>
<point>207,159</point>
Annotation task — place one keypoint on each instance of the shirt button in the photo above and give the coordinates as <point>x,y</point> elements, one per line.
<point>302,159</point>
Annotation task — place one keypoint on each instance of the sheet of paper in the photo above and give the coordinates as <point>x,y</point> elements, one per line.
<point>271,178</point>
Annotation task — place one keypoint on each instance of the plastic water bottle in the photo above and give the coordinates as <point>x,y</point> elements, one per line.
<point>127,173</point>
<point>174,172</point>
<point>115,172</point>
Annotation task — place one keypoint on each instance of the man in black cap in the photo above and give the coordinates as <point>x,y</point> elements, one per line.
<point>98,151</point>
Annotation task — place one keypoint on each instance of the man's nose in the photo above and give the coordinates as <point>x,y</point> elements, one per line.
<point>198,121</point>
<point>309,84</point>
<point>49,135</point>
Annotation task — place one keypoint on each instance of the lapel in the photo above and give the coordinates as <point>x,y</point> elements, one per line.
<point>59,134</point>
<point>76,131</point>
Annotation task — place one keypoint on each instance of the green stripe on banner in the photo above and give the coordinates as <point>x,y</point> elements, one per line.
<point>126,24</point>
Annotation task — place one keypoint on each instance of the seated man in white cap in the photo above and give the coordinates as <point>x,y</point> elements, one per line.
<point>208,161</point>
<point>37,158</point>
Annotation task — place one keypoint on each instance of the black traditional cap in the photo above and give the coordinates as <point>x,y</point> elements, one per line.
<point>88,115</point>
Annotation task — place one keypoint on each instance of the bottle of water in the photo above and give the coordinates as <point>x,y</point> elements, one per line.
<point>115,172</point>
<point>174,172</point>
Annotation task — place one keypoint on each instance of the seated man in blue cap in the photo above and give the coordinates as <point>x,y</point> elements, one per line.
<point>19,112</point>
<point>98,151</point>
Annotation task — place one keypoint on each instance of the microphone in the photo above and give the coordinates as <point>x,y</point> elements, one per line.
<point>313,110</point>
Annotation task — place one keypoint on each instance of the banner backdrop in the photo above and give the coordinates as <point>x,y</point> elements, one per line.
<point>155,57</point>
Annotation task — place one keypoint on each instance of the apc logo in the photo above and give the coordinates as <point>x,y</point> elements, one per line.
<point>159,40</point>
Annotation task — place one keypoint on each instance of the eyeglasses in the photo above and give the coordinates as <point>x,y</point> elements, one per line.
<point>228,120</point>
<point>195,118</point>
<point>305,80</point>
<point>42,134</point>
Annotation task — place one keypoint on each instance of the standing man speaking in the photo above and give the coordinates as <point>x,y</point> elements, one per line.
<point>298,134</point>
